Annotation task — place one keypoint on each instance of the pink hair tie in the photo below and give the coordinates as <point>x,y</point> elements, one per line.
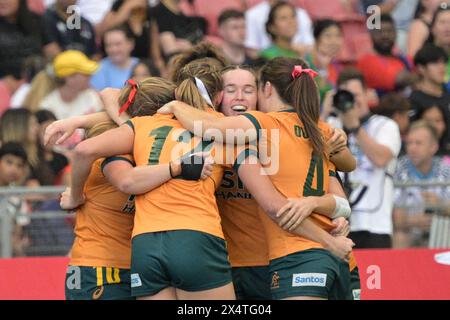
<point>298,70</point>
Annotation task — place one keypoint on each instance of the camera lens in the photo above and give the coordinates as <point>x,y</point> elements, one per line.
<point>343,100</point>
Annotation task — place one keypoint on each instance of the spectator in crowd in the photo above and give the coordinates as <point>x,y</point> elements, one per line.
<point>440,33</point>
<point>440,27</point>
<point>116,68</point>
<point>177,32</point>
<point>73,96</point>
<point>402,11</point>
<point>257,37</point>
<point>31,67</point>
<point>143,70</point>
<point>55,163</point>
<point>232,31</point>
<point>20,125</point>
<point>419,30</point>
<point>94,11</point>
<point>431,64</point>
<point>384,70</point>
<point>396,107</point>
<point>13,163</point>
<point>328,43</point>
<point>375,142</point>
<point>60,35</point>
<point>414,205</point>
<point>13,170</point>
<point>403,15</point>
<point>435,117</point>
<point>20,36</point>
<point>282,27</point>
<point>136,16</point>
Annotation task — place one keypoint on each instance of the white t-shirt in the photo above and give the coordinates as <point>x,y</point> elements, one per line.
<point>19,96</point>
<point>86,102</point>
<point>372,196</point>
<point>257,37</point>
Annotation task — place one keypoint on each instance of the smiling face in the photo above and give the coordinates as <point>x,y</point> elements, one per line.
<point>239,92</point>
<point>117,46</point>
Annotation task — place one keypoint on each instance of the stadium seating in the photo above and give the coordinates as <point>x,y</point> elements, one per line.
<point>211,10</point>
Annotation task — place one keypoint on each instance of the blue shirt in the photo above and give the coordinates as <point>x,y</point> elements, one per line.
<point>109,75</point>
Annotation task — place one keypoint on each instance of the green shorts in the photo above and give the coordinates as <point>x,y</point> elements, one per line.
<point>355,284</point>
<point>310,273</point>
<point>184,259</point>
<point>252,283</point>
<point>97,283</point>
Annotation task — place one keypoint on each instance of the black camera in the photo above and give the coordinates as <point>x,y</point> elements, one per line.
<point>343,101</point>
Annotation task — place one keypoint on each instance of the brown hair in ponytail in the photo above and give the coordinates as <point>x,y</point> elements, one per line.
<point>152,93</point>
<point>301,93</point>
<point>203,52</point>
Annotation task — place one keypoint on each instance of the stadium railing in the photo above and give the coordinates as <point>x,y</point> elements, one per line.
<point>32,224</point>
<point>440,224</point>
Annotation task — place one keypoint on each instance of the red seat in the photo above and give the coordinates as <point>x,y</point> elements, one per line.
<point>335,9</point>
<point>211,10</point>
<point>357,41</point>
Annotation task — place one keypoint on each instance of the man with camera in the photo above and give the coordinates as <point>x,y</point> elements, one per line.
<point>375,141</point>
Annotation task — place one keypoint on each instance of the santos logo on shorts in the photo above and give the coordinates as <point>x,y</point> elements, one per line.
<point>135,280</point>
<point>309,280</point>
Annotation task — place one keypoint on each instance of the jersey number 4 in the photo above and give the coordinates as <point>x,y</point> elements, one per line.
<point>315,166</point>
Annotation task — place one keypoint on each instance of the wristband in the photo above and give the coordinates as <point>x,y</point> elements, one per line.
<point>342,208</point>
<point>353,130</point>
<point>191,167</point>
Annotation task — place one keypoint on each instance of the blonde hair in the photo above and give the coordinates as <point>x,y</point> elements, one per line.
<point>14,127</point>
<point>423,124</point>
<point>187,90</point>
<point>41,86</point>
<point>152,93</point>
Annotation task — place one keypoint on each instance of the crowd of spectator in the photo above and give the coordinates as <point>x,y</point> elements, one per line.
<point>56,55</point>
